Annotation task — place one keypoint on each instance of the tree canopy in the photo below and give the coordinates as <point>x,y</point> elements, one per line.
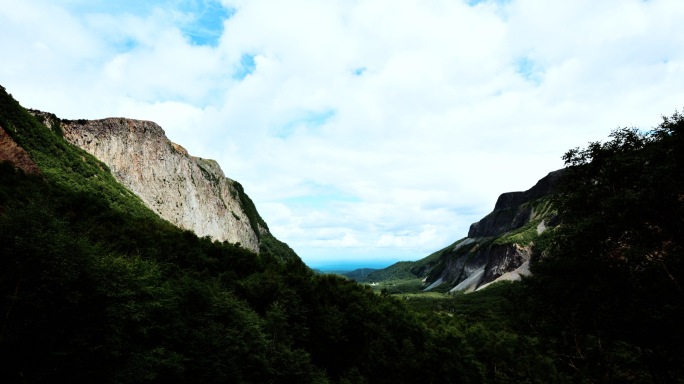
<point>611,282</point>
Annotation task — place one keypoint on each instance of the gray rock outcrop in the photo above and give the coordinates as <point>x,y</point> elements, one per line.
<point>190,192</point>
<point>509,212</point>
<point>498,247</point>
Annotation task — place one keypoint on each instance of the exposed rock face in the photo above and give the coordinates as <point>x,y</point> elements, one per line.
<point>505,258</point>
<point>500,246</point>
<point>10,151</point>
<point>509,212</point>
<point>190,192</point>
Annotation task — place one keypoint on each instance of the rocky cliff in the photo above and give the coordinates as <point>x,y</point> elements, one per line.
<point>190,192</point>
<point>11,152</point>
<point>498,247</point>
<point>511,211</point>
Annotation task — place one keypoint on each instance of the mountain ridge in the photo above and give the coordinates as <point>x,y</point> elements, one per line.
<point>498,247</point>
<point>188,191</point>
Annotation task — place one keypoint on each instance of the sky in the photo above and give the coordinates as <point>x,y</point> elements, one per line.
<point>366,131</point>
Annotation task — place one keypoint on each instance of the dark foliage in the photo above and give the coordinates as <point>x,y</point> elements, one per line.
<point>610,289</point>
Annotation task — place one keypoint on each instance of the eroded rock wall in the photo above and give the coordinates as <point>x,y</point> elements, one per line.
<point>11,152</point>
<point>510,212</point>
<point>190,192</point>
<point>492,251</point>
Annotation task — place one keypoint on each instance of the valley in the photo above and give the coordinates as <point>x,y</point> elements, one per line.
<point>107,276</point>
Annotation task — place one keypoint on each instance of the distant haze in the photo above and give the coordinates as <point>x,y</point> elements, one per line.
<point>350,265</point>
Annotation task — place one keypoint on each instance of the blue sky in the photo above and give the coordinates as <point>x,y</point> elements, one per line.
<point>366,132</point>
<point>201,21</point>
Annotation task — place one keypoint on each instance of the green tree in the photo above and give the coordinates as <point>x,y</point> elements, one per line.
<point>611,284</point>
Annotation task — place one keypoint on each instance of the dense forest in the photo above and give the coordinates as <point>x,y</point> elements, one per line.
<point>96,288</point>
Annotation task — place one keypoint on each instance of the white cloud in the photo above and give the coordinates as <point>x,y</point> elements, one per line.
<point>375,129</point>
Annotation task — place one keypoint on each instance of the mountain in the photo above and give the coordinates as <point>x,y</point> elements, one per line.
<point>96,287</point>
<point>498,247</point>
<point>190,192</point>
<point>359,274</point>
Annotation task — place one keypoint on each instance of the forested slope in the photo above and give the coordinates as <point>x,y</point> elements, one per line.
<point>97,288</point>
<point>611,282</point>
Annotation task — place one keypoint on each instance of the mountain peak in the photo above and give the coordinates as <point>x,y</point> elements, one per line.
<point>188,191</point>
<point>509,213</point>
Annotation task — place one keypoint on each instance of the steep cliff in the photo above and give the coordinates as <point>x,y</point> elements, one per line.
<point>498,247</point>
<point>511,210</point>
<point>190,192</point>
